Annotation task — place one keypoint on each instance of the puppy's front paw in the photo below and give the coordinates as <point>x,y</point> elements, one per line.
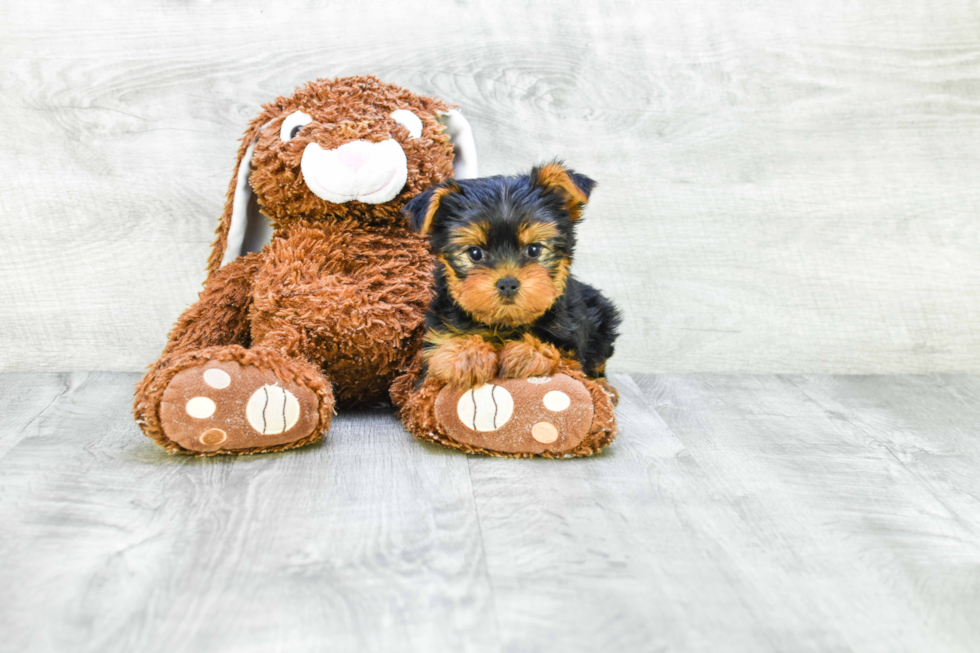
<point>528,357</point>
<point>466,362</point>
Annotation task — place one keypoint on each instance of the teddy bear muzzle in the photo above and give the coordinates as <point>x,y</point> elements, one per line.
<point>367,172</point>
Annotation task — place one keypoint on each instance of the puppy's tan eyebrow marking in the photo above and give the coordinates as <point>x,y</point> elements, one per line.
<point>471,235</point>
<point>536,232</point>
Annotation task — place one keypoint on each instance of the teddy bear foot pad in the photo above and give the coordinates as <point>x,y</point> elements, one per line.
<point>227,406</point>
<point>518,416</point>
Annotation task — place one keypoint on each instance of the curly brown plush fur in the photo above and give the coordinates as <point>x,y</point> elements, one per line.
<point>336,301</point>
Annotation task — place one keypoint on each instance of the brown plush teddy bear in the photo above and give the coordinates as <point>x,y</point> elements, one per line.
<point>322,300</point>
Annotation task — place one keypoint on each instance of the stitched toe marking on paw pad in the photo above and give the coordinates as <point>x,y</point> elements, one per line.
<point>272,410</point>
<point>486,408</point>
<point>556,401</point>
<point>212,437</point>
<point>539,379</point>
<point>544,432</point>
<point>217,379</point>
<point>200,408</point>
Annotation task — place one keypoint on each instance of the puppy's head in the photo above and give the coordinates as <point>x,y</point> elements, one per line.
<point>504,243</point>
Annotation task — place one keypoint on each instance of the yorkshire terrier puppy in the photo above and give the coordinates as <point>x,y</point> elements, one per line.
<point>505,302</point>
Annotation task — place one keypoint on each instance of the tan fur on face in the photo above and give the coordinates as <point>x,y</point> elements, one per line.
<point>477,294</point>
<point>471,235</point>
<point>561,275</point>
<point>536,232</point>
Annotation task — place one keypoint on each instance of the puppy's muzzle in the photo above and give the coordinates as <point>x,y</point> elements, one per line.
<point>367,172</point>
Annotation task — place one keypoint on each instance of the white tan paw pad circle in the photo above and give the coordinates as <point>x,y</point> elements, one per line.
<point>544,432</point>
<point>272,410</point>
<point>486,408</point>
<point>556,401</point>
<point>213,437</point>
<point>217,379</point>
<point>200,408</point>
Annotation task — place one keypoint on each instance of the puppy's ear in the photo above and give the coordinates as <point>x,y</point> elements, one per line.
<point>237,226</point>
<point>421,211</point>
<point>570,185</point>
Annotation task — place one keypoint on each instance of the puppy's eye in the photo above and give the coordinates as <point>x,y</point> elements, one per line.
<point>292,125</point>
<point>533,250</point>
<point>409,121</point>
<point>475,254</point>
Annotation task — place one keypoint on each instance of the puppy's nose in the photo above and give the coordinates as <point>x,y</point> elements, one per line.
<point>507,287</point>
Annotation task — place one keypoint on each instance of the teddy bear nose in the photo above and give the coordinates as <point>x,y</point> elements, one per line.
<point>354,155</point>
<point>360,171</point>
<point>507,287</point>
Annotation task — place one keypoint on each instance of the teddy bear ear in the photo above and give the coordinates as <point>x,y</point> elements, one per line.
<point>421,210</point>
<point>243,228</point>
<point>464,147</point>
<point>575,188</point>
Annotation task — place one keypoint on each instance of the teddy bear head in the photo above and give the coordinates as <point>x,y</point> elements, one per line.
<point>351,148</point>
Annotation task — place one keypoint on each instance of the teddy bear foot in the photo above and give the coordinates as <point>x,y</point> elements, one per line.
<point>543,416</point>
<point>224,406</point>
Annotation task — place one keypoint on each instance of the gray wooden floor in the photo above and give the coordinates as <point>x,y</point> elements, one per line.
<point>735,513</point>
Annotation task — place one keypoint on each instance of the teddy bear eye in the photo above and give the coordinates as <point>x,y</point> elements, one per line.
<point>292,125</point>
<point>409,121</point>
<point>475,254</point>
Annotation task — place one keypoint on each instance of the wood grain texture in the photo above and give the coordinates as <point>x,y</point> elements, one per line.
<point>784,187</point>
<point>24,399</point>
<point>369,542</point>
<point>841,538</point>
<point>736,513</point>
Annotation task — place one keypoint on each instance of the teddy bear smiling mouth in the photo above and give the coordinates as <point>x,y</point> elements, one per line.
<point>360,170</point>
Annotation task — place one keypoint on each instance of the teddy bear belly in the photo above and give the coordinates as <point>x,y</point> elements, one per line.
<point>360,352</point>
<point>353,304</point>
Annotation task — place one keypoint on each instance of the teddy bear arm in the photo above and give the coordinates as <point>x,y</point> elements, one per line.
<point>220,315</point>
<point>343,309</point>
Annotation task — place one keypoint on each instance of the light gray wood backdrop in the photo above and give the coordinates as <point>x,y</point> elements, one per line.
<point>783,186</point>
